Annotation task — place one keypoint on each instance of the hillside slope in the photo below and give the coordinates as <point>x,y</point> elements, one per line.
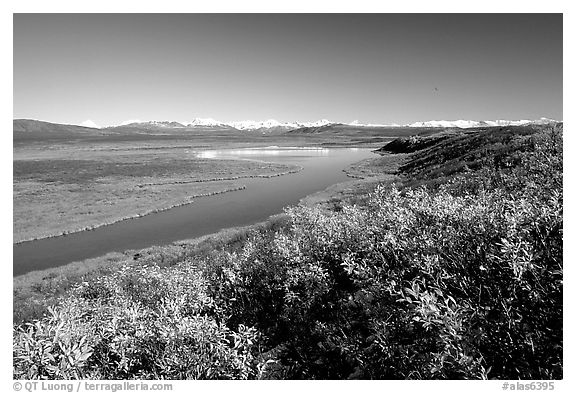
<point>363,131</point>
<point>26,125</point>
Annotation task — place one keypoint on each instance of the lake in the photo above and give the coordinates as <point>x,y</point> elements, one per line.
<point>262,198</point>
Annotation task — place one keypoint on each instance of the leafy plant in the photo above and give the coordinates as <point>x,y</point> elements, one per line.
<point>457,279</point>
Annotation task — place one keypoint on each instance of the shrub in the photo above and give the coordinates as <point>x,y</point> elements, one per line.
<point>462,279</point>
<point>142,322</point>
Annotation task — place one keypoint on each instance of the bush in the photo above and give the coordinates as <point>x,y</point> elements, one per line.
<point>463,281</point>
<point>459,280</point>
<point>142,322</point>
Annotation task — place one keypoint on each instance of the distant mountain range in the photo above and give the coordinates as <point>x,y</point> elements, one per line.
<point>27,129</point>
<point>265,126</point>
<point>274,125</point>
<point>482,123</point>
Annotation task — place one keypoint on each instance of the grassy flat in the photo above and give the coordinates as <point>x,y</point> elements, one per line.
<point>68,189</point>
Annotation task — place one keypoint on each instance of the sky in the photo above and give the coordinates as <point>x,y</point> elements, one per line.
<point>371,68</point>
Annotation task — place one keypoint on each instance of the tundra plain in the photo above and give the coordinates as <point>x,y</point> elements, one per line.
<point>68,179</point>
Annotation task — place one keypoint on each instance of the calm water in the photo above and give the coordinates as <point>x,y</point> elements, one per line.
<point>261,199</point>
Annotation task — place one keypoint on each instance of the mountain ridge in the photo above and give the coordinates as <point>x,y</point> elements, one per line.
<point>270,126</point>
<point>251,125</point>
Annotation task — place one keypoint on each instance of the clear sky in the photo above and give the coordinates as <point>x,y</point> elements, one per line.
<point>374,68</point>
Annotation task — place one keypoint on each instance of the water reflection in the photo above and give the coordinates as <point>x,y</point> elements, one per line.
<point>255,152</point>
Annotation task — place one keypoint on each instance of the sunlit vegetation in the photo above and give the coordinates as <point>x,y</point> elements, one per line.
<point>455,272</point>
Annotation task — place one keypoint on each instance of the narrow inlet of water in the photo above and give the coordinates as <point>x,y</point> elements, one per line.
<point>262,198</point>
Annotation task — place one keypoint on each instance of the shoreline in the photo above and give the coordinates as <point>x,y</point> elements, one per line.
<point>289,172</point>
<point>356,182</point>
<point>74,271</point>
<point>316,198</point>
<point>159,210</point>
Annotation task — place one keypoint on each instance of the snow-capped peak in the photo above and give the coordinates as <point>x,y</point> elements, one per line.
<point>445,123</point>
<point>89,123</point>
<point>254,125</point>
<point>318,123</point>
<point>474,123</point>
<point>152,123</point>
<point>356,123</point>
<point>271,123</point>
<point>206,122</point>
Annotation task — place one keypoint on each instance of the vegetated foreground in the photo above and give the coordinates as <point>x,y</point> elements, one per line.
<point>454,272</point>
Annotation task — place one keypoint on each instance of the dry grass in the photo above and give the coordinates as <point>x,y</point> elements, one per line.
<point>69,189</point>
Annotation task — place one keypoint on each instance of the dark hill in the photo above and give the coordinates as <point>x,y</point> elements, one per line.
<point>33,126</point>
<point>26,130</point>
<point>337,129</point>
<point>440,156</point>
